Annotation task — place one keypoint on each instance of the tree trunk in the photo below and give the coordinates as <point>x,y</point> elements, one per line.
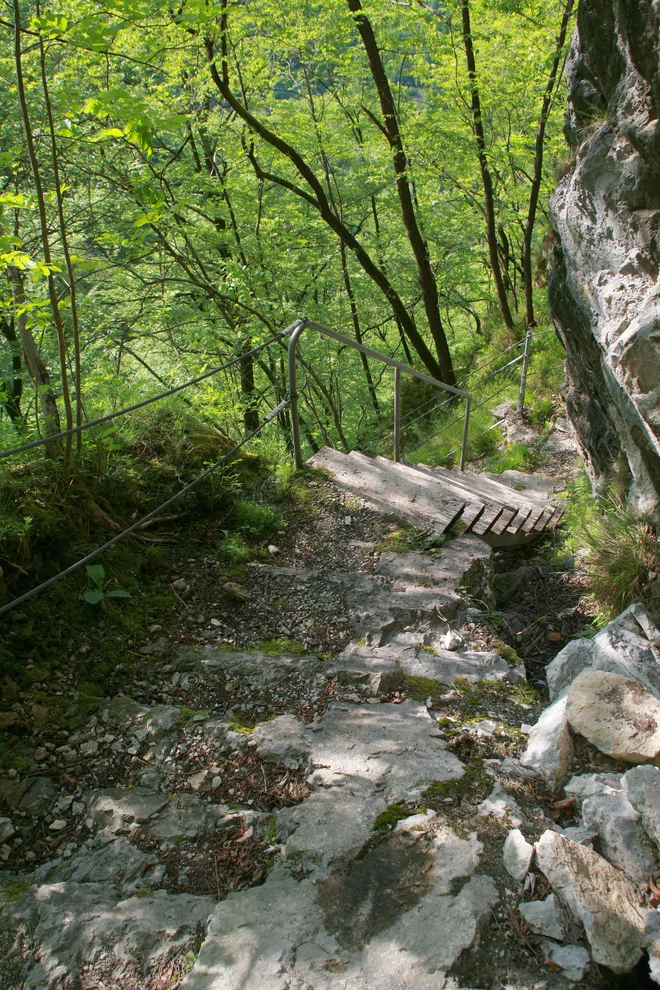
<point>491,230</point>
<point>537,174</point>
<point>401,164</point>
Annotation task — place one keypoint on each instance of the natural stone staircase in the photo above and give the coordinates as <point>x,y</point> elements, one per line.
<point>496,512</point>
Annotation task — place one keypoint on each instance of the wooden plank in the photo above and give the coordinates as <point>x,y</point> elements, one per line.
<point>501,524</point>
<point>544,519</point>
<point>494,490</point>
<point>472,512</point>
<point>490,515</point>
<point>518,520</point>
<point>528,526</point>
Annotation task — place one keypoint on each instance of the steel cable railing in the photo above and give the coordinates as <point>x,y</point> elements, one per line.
<point>155,398</point>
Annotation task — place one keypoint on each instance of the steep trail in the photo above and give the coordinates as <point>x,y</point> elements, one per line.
<point>328,810</point>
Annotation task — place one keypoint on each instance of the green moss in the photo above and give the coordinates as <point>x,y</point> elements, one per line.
<point>479,694</point>
<point>238,724</point>
<point>509,654</point>
<point>421,688</point>
<point>271,832</point>
<point>430,649</point>
<point>387,819</point>
<point>475,784</point>
<point>282,647</point>
<point>14,891</point>
<point>188,714</point>
<point>144,893</point>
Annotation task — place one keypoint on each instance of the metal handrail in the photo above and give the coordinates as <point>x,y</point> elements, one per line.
<point>398,366</point>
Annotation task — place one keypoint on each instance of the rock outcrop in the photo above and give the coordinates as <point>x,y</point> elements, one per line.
<point>606,214</point>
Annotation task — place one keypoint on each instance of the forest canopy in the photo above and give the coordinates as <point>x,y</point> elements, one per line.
<point>179,183</point>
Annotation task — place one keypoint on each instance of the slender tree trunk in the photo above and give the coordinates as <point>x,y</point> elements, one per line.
<point>537,174</point>
<point>14,388</point>
<point>401,164</point>
<point>36,367</point>
<point>43,219</point>
<point>491,229</point>
<point>73,297</point>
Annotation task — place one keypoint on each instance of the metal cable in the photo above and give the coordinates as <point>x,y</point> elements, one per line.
<point>150,515</point>
<point>155,398</point>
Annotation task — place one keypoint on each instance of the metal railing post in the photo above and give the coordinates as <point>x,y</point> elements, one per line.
<point>293,393</point>
<point>523,374</point>
<point>397,415</point>
<point>466,429</point>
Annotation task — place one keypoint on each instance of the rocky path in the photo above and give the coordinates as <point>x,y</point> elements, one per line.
<point>342,807</point>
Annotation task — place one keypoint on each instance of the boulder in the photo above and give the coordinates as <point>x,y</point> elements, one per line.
<point>600,896</point>
<point>641,786</point>
<point>621,835</point>
<point>550,746</point>
<point>33,795</point>
<point>576,656</point>
<point>619,717</point>
<point>284,740</point>
<point>544,917</point>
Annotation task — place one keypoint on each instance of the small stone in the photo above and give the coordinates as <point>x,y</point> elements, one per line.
<point>90,748</point>
<point>57,825</point>
<point>6,829</point>
<point>216,782</point>
<point>545,917</point>
<point>236,591</point>
<point>573,960</point>
<point>197,779</point>
<point>216,622</point>
<point>499,804</point>
<point>518,854</point>
<point>550,746</point>
<point>40,753</point>
<point>272,549</point>
<point>5,852</point>
<point>155,628</point>
<point>180,584</point>
<point>347,520</point>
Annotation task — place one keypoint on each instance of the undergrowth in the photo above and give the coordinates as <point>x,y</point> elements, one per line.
<point>621,551</point>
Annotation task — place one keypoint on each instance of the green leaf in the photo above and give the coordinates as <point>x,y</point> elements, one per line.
<point>93,597</point>
<point>96,574</point>
<point>117,593</point>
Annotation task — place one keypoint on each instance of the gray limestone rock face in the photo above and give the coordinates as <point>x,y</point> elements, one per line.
<point>550,745</point>
<point>545,917</point>
<point>600,896</point>
<point>368,925</point>
<point>284,740</point>
<point>606,216</point>
<point>466,562</point>
<point>114,808</point>
<point>641,786</point>
<point>621,835</point>
<point>618,716</point>
<point>136,936</point>
<point>627,646</point>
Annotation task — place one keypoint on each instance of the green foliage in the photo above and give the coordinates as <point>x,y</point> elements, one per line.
<point>281,647</point>
<point>514,457</point>
<point>623,550</point>
<point>96,574</point>
<point>255,519</point>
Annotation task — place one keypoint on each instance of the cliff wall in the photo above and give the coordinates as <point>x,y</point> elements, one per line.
<point>604,289</point>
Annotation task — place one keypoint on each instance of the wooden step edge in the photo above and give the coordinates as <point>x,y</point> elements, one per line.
<point>486,520</point>
<point>473,511</point>
<point>493,489</point>
<point>519,521</point>
<point>533,518</point>
<point>543,520</point>
<point>502,523</point>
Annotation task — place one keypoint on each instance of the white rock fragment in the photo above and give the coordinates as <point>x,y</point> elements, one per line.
<point>550,746</point>
<point>500,804</point>
<point>517,855</point>
<point>7,829</point>
<point>545,917</point>
<point>573,960</point>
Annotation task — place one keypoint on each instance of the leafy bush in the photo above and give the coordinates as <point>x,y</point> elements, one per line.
<point>255,519</point>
